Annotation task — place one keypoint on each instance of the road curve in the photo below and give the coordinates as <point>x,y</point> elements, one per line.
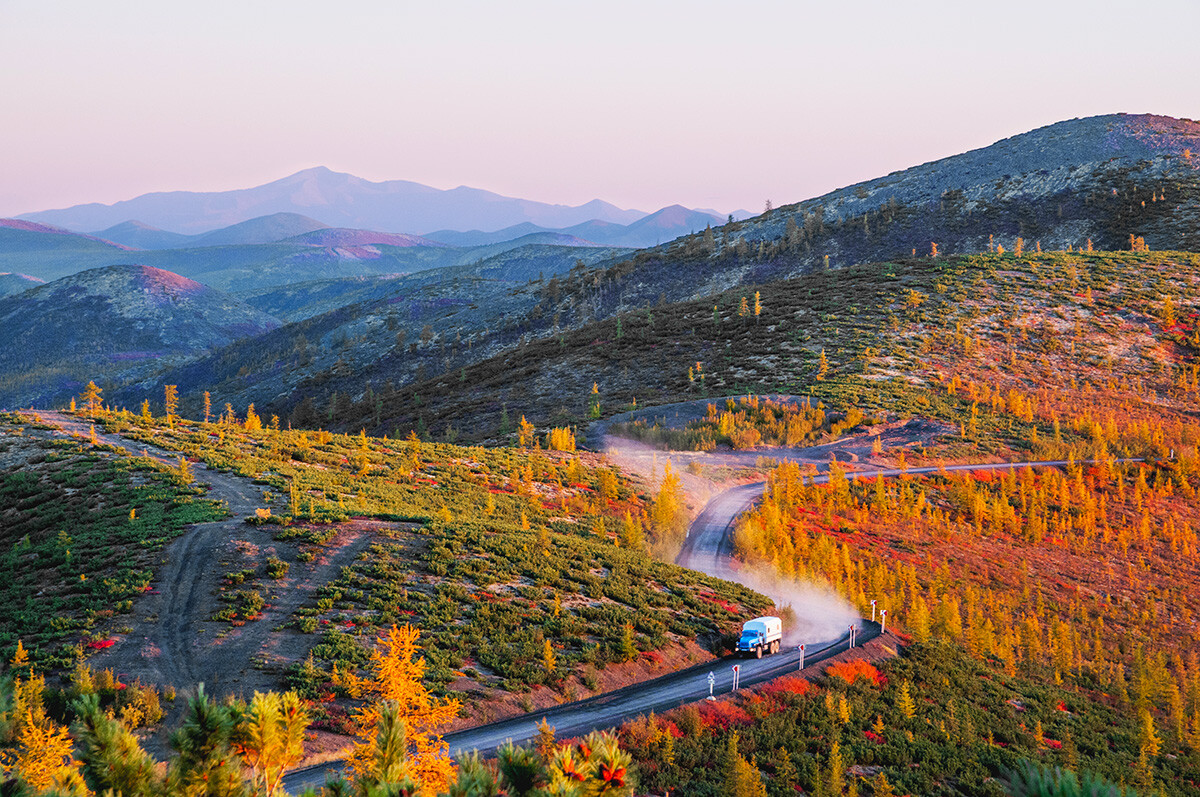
<point>709,549</point>
<point>709,544</point>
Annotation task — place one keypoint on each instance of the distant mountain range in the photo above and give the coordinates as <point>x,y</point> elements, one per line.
<point>262,230</point>
<point>354,326</point>
<point>337,199</point>
<point>263,253</point>
<point>656,228</point>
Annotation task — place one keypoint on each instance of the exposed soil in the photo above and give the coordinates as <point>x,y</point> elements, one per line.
<point>170,640</point>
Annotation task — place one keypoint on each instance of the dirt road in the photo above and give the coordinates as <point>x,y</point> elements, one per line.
<point>169,639</point>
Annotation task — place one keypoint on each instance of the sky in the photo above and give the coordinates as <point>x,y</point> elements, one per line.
<point>643,104</point>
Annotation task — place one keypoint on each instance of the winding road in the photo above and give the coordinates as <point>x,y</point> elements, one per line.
<point>175,650</point>
<point>709,549</point>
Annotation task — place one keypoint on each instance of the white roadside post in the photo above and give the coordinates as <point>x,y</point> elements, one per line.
<point>872,611</point>
<point>712,681</point>
<point>851,636</point>
<point>737,670</point>
<point>801,649</point>
<point>882,620</point>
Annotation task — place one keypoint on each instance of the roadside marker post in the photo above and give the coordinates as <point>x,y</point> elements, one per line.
<point>712,681</point>
<point>872,611</point>
<point>851,636</point>
<point>882,620</point>
<point>737,672</point>
<point>801,649</point>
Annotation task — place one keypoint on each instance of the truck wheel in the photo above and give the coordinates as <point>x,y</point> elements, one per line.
<point>775,647</point>
<point>758,652</point>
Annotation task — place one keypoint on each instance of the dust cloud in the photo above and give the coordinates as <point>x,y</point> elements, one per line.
<point>810,613</point>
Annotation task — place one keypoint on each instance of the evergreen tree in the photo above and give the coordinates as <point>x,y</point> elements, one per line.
<point>205,765</point>
<point>112,757</point>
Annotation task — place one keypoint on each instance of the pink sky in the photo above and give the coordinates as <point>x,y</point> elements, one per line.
<point>641,104</point>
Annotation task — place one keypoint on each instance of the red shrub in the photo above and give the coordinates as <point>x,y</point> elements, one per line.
<point>789,684</point>
<point>855,669</point>
<point>723,714</point>
<point>100,644</point>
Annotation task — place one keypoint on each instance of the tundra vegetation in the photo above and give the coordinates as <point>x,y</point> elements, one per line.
<point>1048,616</point>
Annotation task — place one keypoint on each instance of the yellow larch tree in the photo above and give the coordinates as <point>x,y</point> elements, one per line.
<point>91,399</point>
<point>525,433</point>
<point>270,738</point>
<point>43,755</point>
<point>170,402</point>
<point>397,682</point>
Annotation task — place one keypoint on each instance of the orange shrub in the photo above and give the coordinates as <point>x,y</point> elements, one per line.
<point>851,671</point>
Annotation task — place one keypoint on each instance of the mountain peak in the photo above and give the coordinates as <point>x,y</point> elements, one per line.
<point>338,199</point>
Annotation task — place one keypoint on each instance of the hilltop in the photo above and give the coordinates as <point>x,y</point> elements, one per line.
<point>16,283</point>
<point>118,322</point>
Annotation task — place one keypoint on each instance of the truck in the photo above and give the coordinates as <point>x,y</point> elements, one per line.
<point>762,635</point>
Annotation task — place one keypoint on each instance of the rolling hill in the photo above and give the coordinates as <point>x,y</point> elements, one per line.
<point>261,230</point>
<point>662,225</point>
<point>48,252</point>
<point>111,324</point>
<point>17,283</point>
<point>137,235</point>
<point>343,237</point>
<point>1116,177</point>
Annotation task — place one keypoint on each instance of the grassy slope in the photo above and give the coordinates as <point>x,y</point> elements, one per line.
<point>73,555</point>
<point>970,725</point>
<point>891,332</point>
<point>467,570</point>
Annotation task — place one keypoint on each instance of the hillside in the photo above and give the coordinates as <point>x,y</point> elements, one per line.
<point>890,332</point>
<point>261,230</point>
<point>16,283</point>
<point>112,323</point>
<point>1102,179</point>
<point>346,330</point>
<point>49,252</point>
<point>1102,155</point>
